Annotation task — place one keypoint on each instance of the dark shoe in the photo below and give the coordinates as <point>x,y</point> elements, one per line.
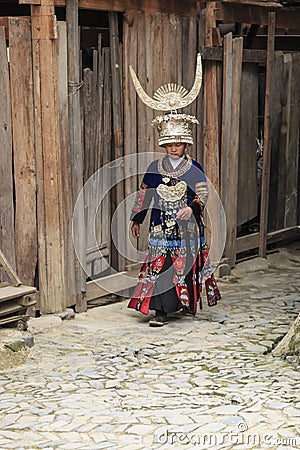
<point>158,321</point>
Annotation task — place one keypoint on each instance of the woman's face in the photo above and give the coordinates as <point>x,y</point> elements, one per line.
<point>175,149</point>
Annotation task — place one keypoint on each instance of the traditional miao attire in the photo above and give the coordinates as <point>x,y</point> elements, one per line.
<point>177,261</point>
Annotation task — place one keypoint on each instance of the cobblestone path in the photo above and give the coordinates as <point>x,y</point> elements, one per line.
<point>108,380</point>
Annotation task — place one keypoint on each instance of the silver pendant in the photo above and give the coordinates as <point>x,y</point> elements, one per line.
<point>166,179</point>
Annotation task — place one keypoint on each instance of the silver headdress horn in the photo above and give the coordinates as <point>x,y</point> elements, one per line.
<point>171,96</point>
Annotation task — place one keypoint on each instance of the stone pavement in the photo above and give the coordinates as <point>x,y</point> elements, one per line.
<point>106,380</point>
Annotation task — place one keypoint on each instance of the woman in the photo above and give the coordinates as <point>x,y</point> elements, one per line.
<point>177,257</point>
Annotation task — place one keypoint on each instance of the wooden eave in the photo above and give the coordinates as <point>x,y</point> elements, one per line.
<point>286,17</point>
<point>188,7</point>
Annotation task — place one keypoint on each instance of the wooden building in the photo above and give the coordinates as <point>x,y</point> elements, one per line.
<point>68,107</point>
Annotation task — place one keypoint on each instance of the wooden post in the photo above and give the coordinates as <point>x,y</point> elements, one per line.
<point>267,141</point>
<point>117,113</point>
<point>130,43</point>
<point>212,126</point>
<point>7,236</point>
<point>50,206</point>
<point>233,53</point>
<point>24,157</point>
<point>62,79</point>
<point>74,82</point>
<point>292,118</point>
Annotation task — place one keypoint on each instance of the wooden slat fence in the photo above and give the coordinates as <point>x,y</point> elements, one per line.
<point>7,234</point>
<point>96,112</point>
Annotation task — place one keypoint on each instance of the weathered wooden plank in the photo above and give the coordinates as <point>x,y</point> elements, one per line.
<point>260,3</point>
<point>251,241</point>
<point>245,243</point>
<point>23,148</point>
<point>280,134</point>
<point>285,17</point>
<point>226,116</point>
<point>9,307</point>
<point>142,114</point>
<point>230,121</point>
<point>130,129</point>
<point>249,55</point>
<point>130,104</point>
<point>292,152</point>
<point>112,283</point>
<point>107,147</point>
<point>157,6</point>
<point>9,270</point>
<point>74,83</point>
<point>247,173</point>
<point>188,54</point>
<point>267,147</point>
<point>277,163</point>
<point>62,80</point>
<point>212,125</point>
<point>200,101</point>
<point>117,116</point>
<point>7,236</point>
<point>50,203</point>
<point>11,292</point>
<point>39,163</point>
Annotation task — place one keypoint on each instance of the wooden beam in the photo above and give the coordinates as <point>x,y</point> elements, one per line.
<point>291,233</point>
<point>74,84</point>
<point>251,241</point>
<point>29,2</point>
<point>261,3</point>
<point>249,55</point>
<point>286,17</point>
<point>189,7</point>
<point>265,184</point>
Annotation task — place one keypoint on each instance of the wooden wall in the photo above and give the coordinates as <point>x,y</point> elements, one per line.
<point>18,219</point>
<point>162,48</point>
<point>285,120</point>
<point>36,207</point>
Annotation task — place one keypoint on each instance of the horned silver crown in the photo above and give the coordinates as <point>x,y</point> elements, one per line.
<point>171,96</point>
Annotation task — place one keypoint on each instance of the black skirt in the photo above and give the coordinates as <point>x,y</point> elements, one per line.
<point>164,297</point>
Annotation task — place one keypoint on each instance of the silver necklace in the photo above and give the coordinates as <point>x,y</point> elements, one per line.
<point>177,173</point>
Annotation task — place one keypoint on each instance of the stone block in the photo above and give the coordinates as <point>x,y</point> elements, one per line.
<point>43,324</point>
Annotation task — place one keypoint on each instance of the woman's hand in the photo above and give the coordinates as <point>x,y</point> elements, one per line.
<point>135,230</point>
<point>184,213</point>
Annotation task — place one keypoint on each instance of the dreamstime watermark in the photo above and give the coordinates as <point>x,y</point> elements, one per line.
<point>241,436</point>
<point>93,198</point>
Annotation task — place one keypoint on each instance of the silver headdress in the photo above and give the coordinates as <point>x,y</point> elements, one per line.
<point>172,127</point>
